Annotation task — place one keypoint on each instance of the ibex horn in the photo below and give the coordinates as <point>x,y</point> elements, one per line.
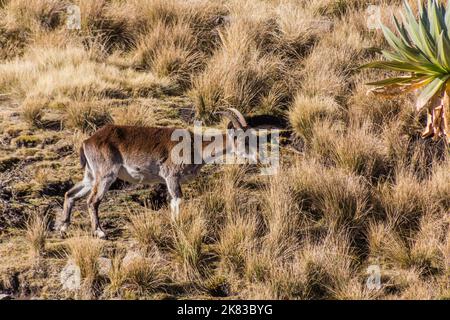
<point>239,116</point>
<point>232,117</point>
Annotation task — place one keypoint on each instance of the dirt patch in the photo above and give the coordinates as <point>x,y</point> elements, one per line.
<point>7,163</point>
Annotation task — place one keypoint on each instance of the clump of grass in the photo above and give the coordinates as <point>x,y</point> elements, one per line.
<point>150,228</point>
<point>317,271</point>
<point>306,111</point>
<point>386,246</point>
<point>116,276</point>
<point>361,152</point>
<point>405,201</point>
<point>334,7</point>
<point>13,39</point>
<point>87,116</point>
<point>259,264</point>
<point>281,215</point>
<point>114,24</point>
<point>36,234</point>
<point>323,136</point>
<point>170,52</point>
<point>212,206</point>
<point>178,39</point>
<point>326,267</point>
<point>177,64</point>
<point>188,235</point>
<point>334,197</point>
<point>33,111</point>
<point>427,252</point>
<point>145,275</point>
<point>85,252</point>
<point>136,115</point>
<point>236,239</point>
<point>422,253</point>
<point>236,77</point>
<point>36,15</point>
<point>438,182</point>
<point>285,281</point>
<point>354,149</point>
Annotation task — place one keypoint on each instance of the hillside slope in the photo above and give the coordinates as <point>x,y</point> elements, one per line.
<point>363,190</point>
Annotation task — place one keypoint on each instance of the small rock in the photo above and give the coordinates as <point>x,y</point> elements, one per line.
<point>130,257</point>
<point>104,266</point>
<point>5,296</point>
<point>70,276</point>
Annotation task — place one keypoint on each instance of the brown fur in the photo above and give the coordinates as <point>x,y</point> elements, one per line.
<point>134,154</point>
<point>132,141</point>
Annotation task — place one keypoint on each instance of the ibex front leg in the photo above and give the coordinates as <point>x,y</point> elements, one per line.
<point>174,188</point>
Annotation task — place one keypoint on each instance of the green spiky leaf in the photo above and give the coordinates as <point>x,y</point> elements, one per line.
<point>433,88</point>
<point>420,46</point>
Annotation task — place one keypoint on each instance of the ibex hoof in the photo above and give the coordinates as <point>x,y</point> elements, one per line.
<point>63,229</point>
<point>99,234</point>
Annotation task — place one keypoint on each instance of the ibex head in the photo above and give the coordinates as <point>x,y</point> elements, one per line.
<point>246,147</point>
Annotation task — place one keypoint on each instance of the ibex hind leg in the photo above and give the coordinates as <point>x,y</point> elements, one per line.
<point>80,190</point>
<point>101,186</point>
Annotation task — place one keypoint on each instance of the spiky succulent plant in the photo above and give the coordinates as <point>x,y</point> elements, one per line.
<point>421,48</point>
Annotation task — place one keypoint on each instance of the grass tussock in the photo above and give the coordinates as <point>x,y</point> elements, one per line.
<point>33,111</point>
<point>258,47</point>
<point>145,275</point>
<point>333,197</point>
<point>36,234</point>
<point>85,251</point>
<point>150,229</point>
<point>87,116</point>
<point>307,111</point>
<point>188,236</point>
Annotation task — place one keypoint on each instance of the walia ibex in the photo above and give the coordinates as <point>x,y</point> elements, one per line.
<point>136,155</point>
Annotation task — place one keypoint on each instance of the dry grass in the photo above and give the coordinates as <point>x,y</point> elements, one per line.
<point>85,252</point>
<point>170,51</point>
<point>116,276</point>
<point>87,116</point>
<point>307,111</point>
<point>332,197</point>
<point>364,190</point>
<point>150,229</point>
<point>72,73</point>
<point>250,69</point>
<point>136,115</point>
<point>36,235</point>
<point>33,111</point>
<point>236,241</point>
<point>145,275</point>
<point>188,236</point>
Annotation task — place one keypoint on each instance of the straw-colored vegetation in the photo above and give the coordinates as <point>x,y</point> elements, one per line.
<point>363,188</point>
